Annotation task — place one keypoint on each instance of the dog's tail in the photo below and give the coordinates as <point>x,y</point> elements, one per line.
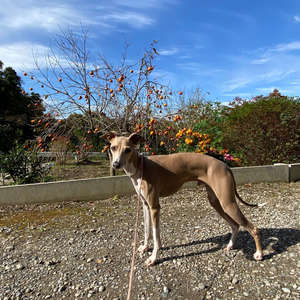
<point>239,197</point>
<point>246,203</point>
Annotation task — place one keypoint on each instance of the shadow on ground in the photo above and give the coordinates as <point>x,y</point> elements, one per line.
<point>274,240</point>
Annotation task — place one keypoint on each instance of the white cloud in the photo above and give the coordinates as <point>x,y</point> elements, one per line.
<point>263,66</point>
<point>17,54</point>
<point>285,47</point>
<point>137,20</point>
<point>146,4</point>
<point>297,19</point>
<point>26,15</point>
<point>45,16</point>
<point>197,46</point>
<point>171,51</point>
<point>184,56</point>
<point>260,61</point>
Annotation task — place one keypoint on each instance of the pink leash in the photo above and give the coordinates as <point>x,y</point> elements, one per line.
<point>136,229</point>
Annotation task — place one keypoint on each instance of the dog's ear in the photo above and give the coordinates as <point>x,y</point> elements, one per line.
<point>136,138</point>
<point>109,136</point>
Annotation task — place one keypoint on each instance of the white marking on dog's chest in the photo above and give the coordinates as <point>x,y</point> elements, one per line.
<point>137,183</point>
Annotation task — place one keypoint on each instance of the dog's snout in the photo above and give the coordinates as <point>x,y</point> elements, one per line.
<point>116,165</point>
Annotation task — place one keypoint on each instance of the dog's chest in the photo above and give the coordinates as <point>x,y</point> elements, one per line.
<point>138,188</point>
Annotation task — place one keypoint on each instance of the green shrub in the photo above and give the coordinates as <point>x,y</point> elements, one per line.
<point>22,164</point>
<point>265,130</point>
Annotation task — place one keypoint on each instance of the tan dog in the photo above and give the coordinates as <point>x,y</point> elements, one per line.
<point>163,175</point>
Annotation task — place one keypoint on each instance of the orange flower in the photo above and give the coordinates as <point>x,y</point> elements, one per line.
<point>189,141</point>
<point>189,132</point>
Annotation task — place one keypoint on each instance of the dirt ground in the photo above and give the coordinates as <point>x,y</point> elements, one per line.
<point>82,250</point>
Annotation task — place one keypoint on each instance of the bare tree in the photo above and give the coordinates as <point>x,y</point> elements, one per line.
<point>107,96</point>
<point>75,81</point>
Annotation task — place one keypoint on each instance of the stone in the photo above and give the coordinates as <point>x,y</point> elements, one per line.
<point>101,288</point>
<point>235,280</point>
<point>201,286</point>
<point>19,266</point>
<point>286,290</point>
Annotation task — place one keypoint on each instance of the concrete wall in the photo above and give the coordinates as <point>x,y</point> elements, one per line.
<point>271,174</point>
<point>108,187</point>
<point>294,172</point>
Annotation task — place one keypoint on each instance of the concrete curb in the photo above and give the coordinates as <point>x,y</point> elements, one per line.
<point>108,187</point>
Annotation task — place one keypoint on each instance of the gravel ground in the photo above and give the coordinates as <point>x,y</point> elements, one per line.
<point>81,250</point>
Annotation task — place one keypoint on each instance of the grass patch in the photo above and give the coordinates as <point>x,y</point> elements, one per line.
<point>83,170</point>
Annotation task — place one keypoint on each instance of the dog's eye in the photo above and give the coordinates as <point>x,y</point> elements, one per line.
<point>127,150</point>
<point>113,148</point>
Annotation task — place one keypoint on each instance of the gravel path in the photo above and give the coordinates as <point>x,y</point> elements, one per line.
<point>81,250</point>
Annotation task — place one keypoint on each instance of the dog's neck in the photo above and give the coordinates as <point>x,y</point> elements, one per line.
<point>132,167</point>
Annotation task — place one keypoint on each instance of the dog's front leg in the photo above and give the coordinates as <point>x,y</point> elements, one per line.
<point>156,236</point>
<point>147,225</point>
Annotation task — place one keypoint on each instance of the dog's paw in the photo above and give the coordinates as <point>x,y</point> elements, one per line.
<point>150,261</point>
<point>258,255</point>
<point>143,248</point>
<point>227,247</point>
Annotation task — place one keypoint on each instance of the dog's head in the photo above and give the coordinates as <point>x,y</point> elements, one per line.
<point>122,148</point>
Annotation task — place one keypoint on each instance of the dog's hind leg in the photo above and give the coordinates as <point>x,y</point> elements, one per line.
<point>230,207</point>
<point>215,203</point>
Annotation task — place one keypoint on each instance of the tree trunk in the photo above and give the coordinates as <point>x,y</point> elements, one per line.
<point>112,171</point>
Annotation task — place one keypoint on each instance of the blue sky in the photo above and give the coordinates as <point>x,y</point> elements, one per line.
<point>229,48</point>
